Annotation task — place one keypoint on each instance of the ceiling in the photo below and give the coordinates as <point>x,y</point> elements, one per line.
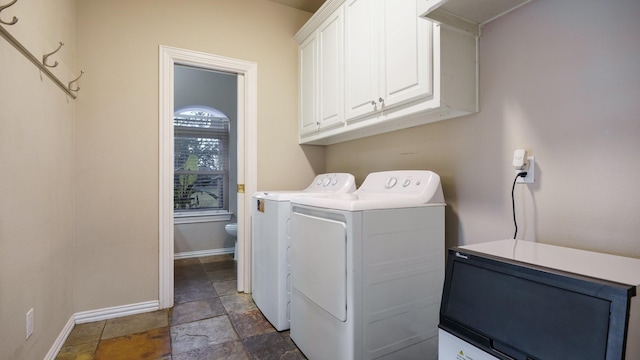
<point>306,5</point>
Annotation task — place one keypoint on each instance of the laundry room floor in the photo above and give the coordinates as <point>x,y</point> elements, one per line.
<point>209,320</point>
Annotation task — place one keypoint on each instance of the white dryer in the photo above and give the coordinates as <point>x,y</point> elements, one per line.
<point>270,273</point>
<point>368,269</point>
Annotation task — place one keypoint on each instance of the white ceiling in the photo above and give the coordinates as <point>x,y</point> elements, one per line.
<point>306,5</point>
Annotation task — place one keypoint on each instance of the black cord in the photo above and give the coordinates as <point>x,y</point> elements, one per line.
<point>513,201</point>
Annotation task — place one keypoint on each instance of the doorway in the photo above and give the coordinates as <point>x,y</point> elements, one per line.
<point>246,163</point>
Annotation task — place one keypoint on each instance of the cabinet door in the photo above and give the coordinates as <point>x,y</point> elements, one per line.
<point>308,104</point>
<point>361,58</point>
<point>405,57</point>
<point>331,71</point>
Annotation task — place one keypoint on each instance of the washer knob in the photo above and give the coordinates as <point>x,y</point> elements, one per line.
<point>326,182</point>
<point>390,182</point>
<point>406,183</point>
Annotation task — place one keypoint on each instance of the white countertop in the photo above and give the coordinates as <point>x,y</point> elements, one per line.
<point>614,268</point>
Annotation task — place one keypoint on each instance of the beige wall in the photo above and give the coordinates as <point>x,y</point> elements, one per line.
<point>117,125</point>
<point>561,79</point>
<point>36,177</point>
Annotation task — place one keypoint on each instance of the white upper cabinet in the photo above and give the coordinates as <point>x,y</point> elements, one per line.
<point>321,77</point>
<point>378,67</point>
<point>386,55</point>
<point>307,62</point>
<point>331,71</point>
<point>362,76</point>
<point>405,53</point>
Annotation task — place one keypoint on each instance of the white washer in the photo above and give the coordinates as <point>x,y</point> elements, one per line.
<point>368,268</point>
<point>271,284</point>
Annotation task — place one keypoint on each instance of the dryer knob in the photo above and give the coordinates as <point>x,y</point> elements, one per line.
<point>326,182</point>
<point>406,183</point>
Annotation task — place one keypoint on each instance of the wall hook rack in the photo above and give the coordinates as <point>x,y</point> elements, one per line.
<point>45,56</point>
<point>15,19</point>
<point>44,68</point>
<point>72,82</point>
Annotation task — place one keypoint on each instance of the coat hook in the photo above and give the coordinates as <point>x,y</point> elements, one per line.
<point>75,81</point>
<point>45,56</point>
<point>15,19</point>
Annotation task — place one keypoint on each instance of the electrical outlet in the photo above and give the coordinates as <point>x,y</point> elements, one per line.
<point>530,178</point>
<point>29,323</point>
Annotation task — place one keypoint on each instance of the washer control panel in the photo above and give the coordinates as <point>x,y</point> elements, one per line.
<point>333,182</point>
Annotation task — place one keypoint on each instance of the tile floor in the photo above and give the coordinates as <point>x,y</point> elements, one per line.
<point>210,320</point>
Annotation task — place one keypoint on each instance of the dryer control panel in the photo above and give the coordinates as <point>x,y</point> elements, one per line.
<point>423,184</point>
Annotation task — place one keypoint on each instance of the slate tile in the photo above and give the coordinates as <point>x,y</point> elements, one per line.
<point>272,346</point>
<point>84,333</point>
<point>200,334</point>
<point>84,351</point>
<point>220,275</point>
<point>153,344</point>
<point>193,291</point>
<point>231,350</point>
<point>238,303</point>
<point>250,324</point>
<point>135,323</point>
<point>196,310</point>
<point>226,287</point>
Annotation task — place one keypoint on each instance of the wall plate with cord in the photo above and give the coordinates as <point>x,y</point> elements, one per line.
<point>530,169</point>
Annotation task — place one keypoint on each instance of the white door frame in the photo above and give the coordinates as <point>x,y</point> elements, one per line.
<point>247,159</point>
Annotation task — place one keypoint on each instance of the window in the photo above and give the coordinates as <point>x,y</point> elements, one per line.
<point>201,162</point>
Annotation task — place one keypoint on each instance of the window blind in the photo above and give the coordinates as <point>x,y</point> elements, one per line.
<point>201,162</point>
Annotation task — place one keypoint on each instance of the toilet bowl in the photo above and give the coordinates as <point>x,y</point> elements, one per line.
<point>232,230</point>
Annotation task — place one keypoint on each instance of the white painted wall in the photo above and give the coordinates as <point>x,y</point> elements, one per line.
<point>562,80</point>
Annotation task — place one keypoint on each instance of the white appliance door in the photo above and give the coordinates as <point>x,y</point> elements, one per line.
<point>319,262</point>
<point>451,347</point>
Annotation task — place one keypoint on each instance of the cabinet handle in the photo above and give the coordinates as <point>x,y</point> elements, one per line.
<point>381,100</point>
<point>373,103</point>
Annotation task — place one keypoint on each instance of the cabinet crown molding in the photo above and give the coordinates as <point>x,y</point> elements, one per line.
<point>318,17</point>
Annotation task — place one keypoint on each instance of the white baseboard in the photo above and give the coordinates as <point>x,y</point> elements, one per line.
<point>116,311</point>
<point>97,315</point>
<point>64,334</point>
<point>200,253</point>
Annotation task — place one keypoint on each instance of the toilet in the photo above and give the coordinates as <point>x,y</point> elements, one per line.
<point>232,230</point>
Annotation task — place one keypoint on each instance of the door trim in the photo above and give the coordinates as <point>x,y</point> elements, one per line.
<point>247,165</point>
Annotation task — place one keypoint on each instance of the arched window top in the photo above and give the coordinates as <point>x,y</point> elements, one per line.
<point>200,117</point>
<point>189,110</point>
